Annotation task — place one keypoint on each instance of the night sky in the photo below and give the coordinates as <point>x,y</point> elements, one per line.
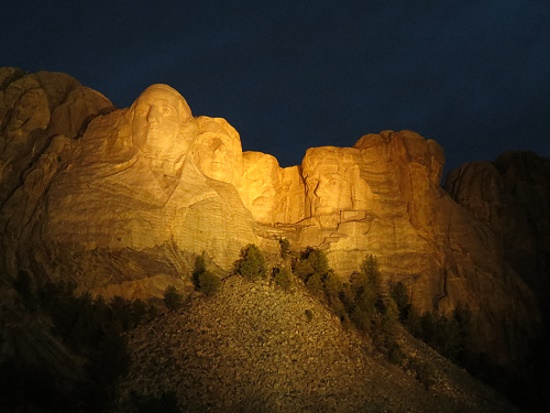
<point>291,74</point>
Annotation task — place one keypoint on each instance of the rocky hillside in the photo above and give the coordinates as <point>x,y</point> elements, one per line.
<point>253,347</point>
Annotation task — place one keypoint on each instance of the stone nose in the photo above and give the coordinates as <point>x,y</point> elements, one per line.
<point>218,146</point>
<point>153,114</point>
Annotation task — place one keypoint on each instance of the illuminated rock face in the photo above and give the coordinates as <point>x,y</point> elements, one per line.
<point>260,186</point>
<point>419,234</point>
<point>153,193</point>
<point>218,151</point>
<point>130,197</point>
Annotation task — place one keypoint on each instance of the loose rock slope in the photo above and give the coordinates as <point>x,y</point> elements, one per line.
<point>253,348</point>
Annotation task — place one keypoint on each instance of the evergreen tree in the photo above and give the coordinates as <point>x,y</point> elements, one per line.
<point>361,319</point>
<point>317,260</point>
<point>399,294</point>
<point>371,274</point>
<point>312,261</point>
<point>209,283</point>
<point>315,284</point>
<point>251,265</point>
<point>413,322</point>
<point>303,270</point>
<point>172,298</point>
<point>333,285</point>
<point>282,277</point>
<point>285,247</point>
<point>199,268</point>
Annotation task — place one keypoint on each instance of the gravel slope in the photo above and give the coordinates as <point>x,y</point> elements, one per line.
<point>251,348</point>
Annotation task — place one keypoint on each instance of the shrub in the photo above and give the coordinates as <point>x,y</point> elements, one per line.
<point>303,270</point>
<point>282,277</point>
<point>209,283</point>
<point>172,299</point>
<point>285,247</point>
<point>333,285</point>
<point>399,294</point>
<point>315,285</point>
<point>200,267</point>
<point>361,319</point>
<point>316,259</point>
<point>395,354</point>
<point>251,265</point>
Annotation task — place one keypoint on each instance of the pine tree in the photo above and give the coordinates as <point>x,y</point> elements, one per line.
<point>172,299</point>
<point>251,265</point>
<point>209,283</point>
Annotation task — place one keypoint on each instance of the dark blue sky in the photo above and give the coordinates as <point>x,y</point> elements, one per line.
<point>290,74</point>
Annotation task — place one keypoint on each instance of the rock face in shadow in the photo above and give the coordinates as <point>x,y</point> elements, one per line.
<point>123,200</point>
<point>511,196</point>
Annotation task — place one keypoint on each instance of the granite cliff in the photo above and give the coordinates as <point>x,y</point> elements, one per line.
<point>122,201</point>
<point>511,197</point>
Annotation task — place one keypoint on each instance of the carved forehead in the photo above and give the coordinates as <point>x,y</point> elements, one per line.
<point>160,92</point>
<point>329,159</point>
<point>320,160</point>
<point>211,128</point>
<point>259,160</point>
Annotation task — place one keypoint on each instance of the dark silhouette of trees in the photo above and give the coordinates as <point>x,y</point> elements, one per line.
<point>90,330</point>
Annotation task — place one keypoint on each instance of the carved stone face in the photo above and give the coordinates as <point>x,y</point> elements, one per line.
<point>333,181</point>
<point>158,116</point>
<point>218,151</point>
<point>259,185</point>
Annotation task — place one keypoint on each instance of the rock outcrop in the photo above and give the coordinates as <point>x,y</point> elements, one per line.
<point>382,197</point>
<point>511,196</point>
<point>123,199</point>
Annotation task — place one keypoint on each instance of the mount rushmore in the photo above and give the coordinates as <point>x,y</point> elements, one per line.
<point>122,201</point>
